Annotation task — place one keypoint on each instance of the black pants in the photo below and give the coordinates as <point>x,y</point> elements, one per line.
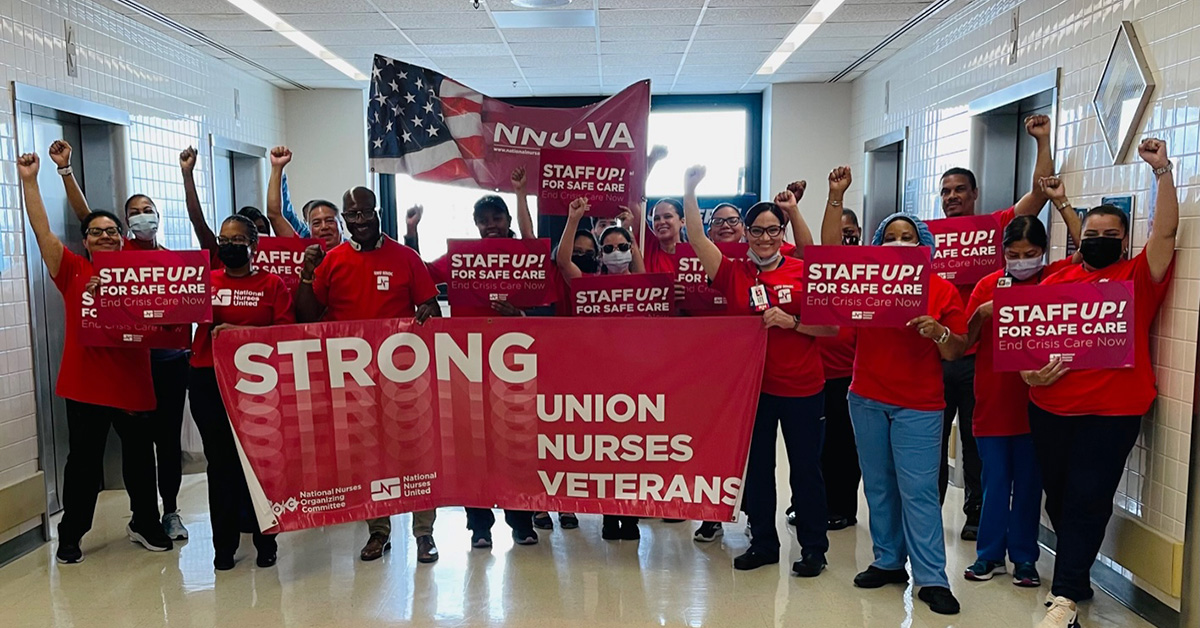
<point>839,458</point>
<point>1082,460</point>
<point>803,423</point>
<point>959,379</point>
<point>87,427</point>
<point>480,520</point>
<point>170,388</point>
<point>229,504</point>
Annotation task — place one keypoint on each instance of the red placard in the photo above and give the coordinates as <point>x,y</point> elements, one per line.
<point>968,248</point>
<point>499,269</point>
<point>141,336</point>
<point>283,257</point>
<point>698,296</point>
<point>389,416</point>
<point>865,286</point>
<point>651,294</point>
<point>152,288</point>
<point>1086,325</point>
<point>604,178</point>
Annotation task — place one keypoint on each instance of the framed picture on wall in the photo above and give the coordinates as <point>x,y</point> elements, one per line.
<point>1123,93</point>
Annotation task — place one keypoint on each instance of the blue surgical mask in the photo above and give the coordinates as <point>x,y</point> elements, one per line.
<point>1022,269</point>
<point>144,227</point>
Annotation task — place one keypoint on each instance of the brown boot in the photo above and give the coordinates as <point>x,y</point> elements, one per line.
<point>375,547</point>
<point>427,551</point>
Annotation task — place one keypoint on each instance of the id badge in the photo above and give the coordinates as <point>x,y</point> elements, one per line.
<point>759,301</point>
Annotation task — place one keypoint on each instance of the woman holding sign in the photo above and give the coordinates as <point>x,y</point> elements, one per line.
<point>243,296</point>
<point>896,402</point>
<point>1086,421</point>
<point>614,254</point>
<point>102,386</point>
<point>769,285</point>
<point>1012,484</point>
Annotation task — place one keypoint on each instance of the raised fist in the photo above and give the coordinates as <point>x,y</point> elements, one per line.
<point>187,160</point>
<point>1154,152</point>
<point>280,156</point>
<point>658,153</point>
<point>518,180</point>
<point>786,201</point>
<point>60,153</point>
<point>312,258</point>
<point>797,189</point>
<point>1054,189</point>
<point>693,177</point>
<point>839,180</point>
<point>578,208</point>
<point>412,217</point>
<point>1038,126</point>
<point>28,166</point>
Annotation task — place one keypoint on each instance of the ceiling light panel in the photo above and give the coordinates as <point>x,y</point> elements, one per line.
<point>799,34</point>
<point>277,24</point>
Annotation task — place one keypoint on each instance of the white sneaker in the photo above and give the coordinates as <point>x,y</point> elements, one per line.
<point>173,526</point>
<point>1062,614</point>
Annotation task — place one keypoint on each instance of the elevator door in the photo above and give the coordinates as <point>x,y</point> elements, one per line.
<point>1027,153</point>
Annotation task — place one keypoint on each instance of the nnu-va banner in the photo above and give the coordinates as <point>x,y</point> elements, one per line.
<point>345,421</point>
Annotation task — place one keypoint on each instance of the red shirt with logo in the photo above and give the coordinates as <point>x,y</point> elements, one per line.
<point>389,281</point>
<point>793,366</point>
<point>897,366</point>
<point>256,300</point>
<point>1111,392</point>
<point>104,376</point>
<point>1001,399</point>
<point>837,353</point>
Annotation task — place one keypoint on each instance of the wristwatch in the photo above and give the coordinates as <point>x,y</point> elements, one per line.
<point>1158,172</point>
<point>944,337</point>
<point>796,320</point>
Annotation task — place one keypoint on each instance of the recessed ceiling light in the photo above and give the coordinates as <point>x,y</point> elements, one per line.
<point>815,17</point>
<point>296,36</point>
<point>540,4</point>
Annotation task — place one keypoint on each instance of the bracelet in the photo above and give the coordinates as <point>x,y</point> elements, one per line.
<point>307,281</point>
<point>1064,207</point>
<point>796,319</point>
<point>66,171</point>
<point>835,203</point>
<point>1158,172</point>
<point>945,336</point>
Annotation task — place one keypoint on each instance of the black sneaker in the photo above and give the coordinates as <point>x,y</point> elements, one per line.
<point>482,540</point>
<point>266,560</point>
<point>841,523</point>
<point>874,577</point>
<point>224,563</point>
<point>629,530</point>
<point>810,566</point>
<point>611,529</point>
<point>151,537</point>
<point>940,600</point>
<point>568,521</point>
<point>674,520</point>
<point>708,532</point>
<point>970,532</point>
<point>525,537</point>
<point>753,560</point>
<point>542,521</point>
<point>791,515</point>
<point>69,553</point>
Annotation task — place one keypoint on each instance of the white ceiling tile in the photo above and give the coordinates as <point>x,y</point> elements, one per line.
<point>799,67</point>
<point>802,78</point>
<point>454,36</point>
<point>454,51</point>
<point>845,57</point>
<point>337,21</point>
<point>735,46</point>
<point>766,15</point>
<point>749,4</point>
<point>539,35</point>
<point>761,31</point>
<point>377,39</point>
<point>592,74</point>
<point>249,38</point>
<point>290,65</point>
<point>441,19</point>
<point>586,47</point>
<point>565,62</point>
<point>643,33</point>
<point>650,17</point>
<point>651,4</point>
<point>315,75</point>
<point>756,58</point>
<point>287,50</point>
<point>396,51</point>
<point>425,6</point>
<point>640,60</point>
<point>821,40</point>
<point>858,29</point>
<point>198,7</point>
<point>308,6</point>
<point>469,63</point>
<point>332,83</point>
<point>646,47</point>
<point>892,11</point>
<point>218,22</point>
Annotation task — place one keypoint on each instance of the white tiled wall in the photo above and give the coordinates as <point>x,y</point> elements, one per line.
<point>175,96</point>
<point>933,81</point>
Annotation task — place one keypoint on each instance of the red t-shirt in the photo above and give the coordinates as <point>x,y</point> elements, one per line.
<point>1111,392</point>
<point>899,367</point>
<point>1001,399</point>
<point>793,366</point>
<point>256,300</point>
<point>387,282</point>
<point>104,376</point>
<point>1005,216</point>
<point>837,353</point>
<point>659,261</point>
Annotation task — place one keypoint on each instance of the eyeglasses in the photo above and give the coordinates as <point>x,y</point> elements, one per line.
<point>96,232</point>
<point>622,247</point>
<point>772,231</point>
<point>359,215</point>
<point>588,254</point>
<point>235,240</point>
<point>732,221</point>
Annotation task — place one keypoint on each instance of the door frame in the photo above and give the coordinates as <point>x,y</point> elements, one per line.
<point>219,142</point>
<point>899,136</point>
<point>25,97</point>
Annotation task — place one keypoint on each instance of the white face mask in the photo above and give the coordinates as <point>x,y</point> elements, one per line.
<point>901,243</point>
<point>1022,269</point>
<point>759,260</point>
<point>144,226</point>
<point>617,262</point>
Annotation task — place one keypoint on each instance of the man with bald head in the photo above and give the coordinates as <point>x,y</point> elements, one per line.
<point>366,277</point>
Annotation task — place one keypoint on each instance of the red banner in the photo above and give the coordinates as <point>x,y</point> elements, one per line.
<point>1086,325</point>
<point>283,257</point>
<point>341,422</point>
<point>499,269</point>
<point>865,286</point>
<point>968,248</point>
<point>650,294</point>
<point>152,287</point>
<point>140,335</point>
<point>602,178</point>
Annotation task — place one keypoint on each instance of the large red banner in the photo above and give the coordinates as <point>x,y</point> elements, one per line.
<point>968,248</point>
<point>341,422</point>
<point>651,294</point>
<point>283,257</point>
<point>1086,325</point>
<point>604,179</point>
<point>152,287</point>
<point>499,269</point>
<point>865,286</point>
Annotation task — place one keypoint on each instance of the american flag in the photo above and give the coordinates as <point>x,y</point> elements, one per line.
<point>422,123</point>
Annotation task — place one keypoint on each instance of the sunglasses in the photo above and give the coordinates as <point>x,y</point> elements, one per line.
<point>623,247</point>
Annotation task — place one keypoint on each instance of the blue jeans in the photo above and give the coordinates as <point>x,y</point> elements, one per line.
<point>898,450</point>
<point>1012,499</point>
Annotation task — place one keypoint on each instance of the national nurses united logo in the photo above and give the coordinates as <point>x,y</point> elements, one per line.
<point>383,280</point>
<point>784,294</point>
<point>222,298</point>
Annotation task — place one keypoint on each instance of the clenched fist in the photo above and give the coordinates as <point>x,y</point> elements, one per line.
<point>187,160</point>
<point>60,153</point>
<point>312,258</point>
<point>280,156</point>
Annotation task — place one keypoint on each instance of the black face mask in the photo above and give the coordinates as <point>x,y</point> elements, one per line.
<point>233,255</point>
<point>587,263</point>
<point>850,240</point>
<point>1101,251</point>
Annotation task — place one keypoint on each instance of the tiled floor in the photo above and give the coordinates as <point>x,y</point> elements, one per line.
<point>570,578</point>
